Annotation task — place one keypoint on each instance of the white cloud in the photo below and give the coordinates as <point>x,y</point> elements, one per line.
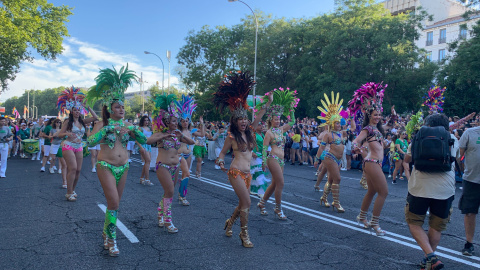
<point>79,65</point>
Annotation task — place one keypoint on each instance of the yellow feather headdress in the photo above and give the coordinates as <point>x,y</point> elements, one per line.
<point>331,110</point>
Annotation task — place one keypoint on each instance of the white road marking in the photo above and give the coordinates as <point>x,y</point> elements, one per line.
<point>345,223</point>
<point>130,236</point>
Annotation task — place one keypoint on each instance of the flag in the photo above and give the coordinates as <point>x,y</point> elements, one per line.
<point>25,109</point>
<point>15,113</point>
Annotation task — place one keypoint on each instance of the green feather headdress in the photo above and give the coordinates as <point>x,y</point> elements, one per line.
<point>164,109</point>
<point>284,102</point>
<point>111,86</point>
<point>415,123</point>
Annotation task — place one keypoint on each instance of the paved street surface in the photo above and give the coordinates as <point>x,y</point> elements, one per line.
<point>39,229</point>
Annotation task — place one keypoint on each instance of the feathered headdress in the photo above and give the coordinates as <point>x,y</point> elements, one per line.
<point>233,92</point>
<point>71,98</point>
<point>367,98</point>
<point>331,110</point>
<point>284,102</point>
<point>415,123</point>
<point>186,107</point>
<point>434,98</point>
<point>111,86</point>
<point>164,109</point>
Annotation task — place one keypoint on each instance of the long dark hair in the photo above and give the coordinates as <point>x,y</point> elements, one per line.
<point>366,122</point>
<point>70,121</point>
<point>105,115</point>
<point>179,123</point>
<point>49,122</point>
<point>238,135</point>
<point>142,120</point>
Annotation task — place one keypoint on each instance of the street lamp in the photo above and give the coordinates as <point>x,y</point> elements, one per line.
<point>255,61</point>
<point>163,67</point>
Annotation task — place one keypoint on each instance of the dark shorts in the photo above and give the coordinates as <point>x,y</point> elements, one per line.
<point>470,200</point>
<point>296,145</point>
<point>440,211</point>
<point>305,149</point>
<point>313,151</point>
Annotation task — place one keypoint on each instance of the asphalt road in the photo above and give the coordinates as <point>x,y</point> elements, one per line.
<point>39,229</point>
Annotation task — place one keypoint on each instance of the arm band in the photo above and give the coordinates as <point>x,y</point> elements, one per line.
<point>94,139</point>
<point>322,143</point>
<point>139,136</point>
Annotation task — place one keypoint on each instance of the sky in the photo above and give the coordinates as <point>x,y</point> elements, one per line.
<point>107,32</point>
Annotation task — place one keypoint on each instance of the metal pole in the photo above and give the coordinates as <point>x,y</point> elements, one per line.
<point>163,68</point>
<point>255,61</point>
<point>168,57</point>
<point>143,94</point>
<point>28,103</point>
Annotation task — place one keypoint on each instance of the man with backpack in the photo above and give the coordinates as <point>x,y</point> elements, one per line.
<point>470,200</point>
<point>431,186</point>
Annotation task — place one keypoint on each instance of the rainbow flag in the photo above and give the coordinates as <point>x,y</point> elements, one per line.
<point>15,113</point>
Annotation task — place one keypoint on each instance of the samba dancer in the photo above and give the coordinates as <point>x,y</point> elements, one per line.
<point>169,140</point>
<point>72,99</point>
<point>232,93</point>
<point>336,138</point>
<point>112,133</point>
<point>369,100</point>
<point>284,103</point>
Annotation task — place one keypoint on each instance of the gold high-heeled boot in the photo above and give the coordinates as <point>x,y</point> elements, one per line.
<point>363,181</point>
<point>244,228</point>
<point>229,223</point>
<point>326,190</point>
<point>336,196</point>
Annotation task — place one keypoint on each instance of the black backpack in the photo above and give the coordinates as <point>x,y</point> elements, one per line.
<point>431,150</point>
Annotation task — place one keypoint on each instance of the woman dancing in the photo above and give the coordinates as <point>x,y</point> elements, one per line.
<point>74,128</point>
<point>145,151</point>
<point>284,103</point>
<point>93,150</point>
<point>232,93</point>
<point>336,138</point>
<point>260,181</point>
<point>185,107</point>
<point>369,99</point>
<point>169,140</point>
<point>112,133</point>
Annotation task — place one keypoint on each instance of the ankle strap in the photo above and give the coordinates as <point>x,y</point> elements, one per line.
<point>375,220</point>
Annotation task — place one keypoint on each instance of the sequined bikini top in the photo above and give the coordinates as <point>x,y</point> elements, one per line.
<point>200,141</point>
<point>278,138</point>
<point>174,142</point>
<point>111,136</point>
<point>373,134</point>
<point>338,140</point>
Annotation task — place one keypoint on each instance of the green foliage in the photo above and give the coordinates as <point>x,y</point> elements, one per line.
<point>29,23</point>
<point>358,43</point>
<point>461,76</point>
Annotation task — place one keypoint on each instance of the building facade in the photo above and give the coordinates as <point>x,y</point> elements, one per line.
<point>448,24</point>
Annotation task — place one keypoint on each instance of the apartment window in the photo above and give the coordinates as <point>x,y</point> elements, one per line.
<point>429,55</point>
<point>443,36</point>
<point>441,55</point>
<point>463,33</point>
<point>429,38</point>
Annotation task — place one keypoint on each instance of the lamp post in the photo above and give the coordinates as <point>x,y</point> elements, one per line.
<point>168,58</point>
<point>163,67</point>
<point>255,61</point>
<point>36,109</point>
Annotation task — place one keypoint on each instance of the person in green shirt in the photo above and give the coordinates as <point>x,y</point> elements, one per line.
<point>23,134</point>
<point>48,142</point>
<point>401,147</point>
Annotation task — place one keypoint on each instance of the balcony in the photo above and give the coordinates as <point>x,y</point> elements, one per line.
<point>429,43</point>
<point>442,40</point>
<point>462,36</point>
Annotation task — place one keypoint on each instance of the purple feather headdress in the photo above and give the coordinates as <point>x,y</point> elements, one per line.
<point>434,98</point>
<point>186,107</point>
<point>367,98</point>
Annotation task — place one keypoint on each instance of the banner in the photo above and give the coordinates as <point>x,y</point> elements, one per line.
<point>2,109</point>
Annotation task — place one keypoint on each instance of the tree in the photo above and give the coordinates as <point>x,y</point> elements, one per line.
<point>29,23</point>
<point>461,76</point>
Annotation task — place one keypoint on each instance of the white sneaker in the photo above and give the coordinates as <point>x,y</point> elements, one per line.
<point>42,169</point>
<point>129,160</point>
<point>143,163</point>
<point>52,170</point>
<point>38,158</point>
<point>343,169</point>
<point>33,157</point>
<point>217,167</point>
<point>94,170</point>
<point>54,167</point>
<point>389,176</point>
<point>48,162</point>
<point>59,171</point>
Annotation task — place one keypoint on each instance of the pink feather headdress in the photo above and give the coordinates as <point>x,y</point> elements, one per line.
<point>367,98</point>
<point>71,98</point>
